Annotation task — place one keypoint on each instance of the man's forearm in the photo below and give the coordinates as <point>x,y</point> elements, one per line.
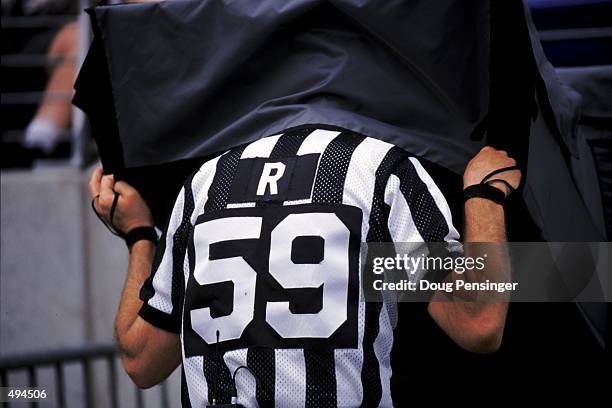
<point>484,221</point>
<point>485,236</point>
<point>139,269</point>
<point>472,322</point>
<point>149,354</point>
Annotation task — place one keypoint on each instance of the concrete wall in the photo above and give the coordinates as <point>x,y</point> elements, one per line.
<point>61,276</point>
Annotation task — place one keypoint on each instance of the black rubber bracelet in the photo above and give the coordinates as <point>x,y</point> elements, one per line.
<point>108,226</point>
<point>502,170</point>
<point>140,233</point>
<point>484,191</point>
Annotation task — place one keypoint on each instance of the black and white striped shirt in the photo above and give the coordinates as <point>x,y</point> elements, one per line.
<point>259,264</point>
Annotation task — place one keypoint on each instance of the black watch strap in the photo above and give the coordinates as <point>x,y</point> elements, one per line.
<point>140,233</point>
<point>484,190</point>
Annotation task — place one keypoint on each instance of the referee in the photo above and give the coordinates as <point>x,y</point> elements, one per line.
<point>254,286</point>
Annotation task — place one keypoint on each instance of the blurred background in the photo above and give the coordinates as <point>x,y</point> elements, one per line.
<point>59,288</point>
<point>61,271</point>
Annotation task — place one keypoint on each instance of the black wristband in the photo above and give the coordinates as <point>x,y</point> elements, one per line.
<point>140,233</point>
<point>484,190</point>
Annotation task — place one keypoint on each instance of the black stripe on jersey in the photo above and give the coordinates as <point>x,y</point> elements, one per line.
<point>378,232</point>
<point>220,187</point>
<point>328,188</point>
<point>379,213</point>
<point>289,143</point>
<point>333,166</point>
<point>180,239</point>
<point>261,361</point>
<point>218,378</point>
<point>427,217</point>
<point>320,365</point>
<point>370,371</point>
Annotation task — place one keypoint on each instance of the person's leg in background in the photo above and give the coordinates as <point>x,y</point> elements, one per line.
<point>53,116</point>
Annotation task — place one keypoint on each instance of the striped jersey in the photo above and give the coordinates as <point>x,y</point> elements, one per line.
<point>259,267</point>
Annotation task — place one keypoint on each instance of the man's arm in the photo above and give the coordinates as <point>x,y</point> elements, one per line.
<point>478,326</point>
<point>149,354</point>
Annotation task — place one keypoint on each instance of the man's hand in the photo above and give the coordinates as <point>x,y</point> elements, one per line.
<point>488,160</point>
<point>131,212</point>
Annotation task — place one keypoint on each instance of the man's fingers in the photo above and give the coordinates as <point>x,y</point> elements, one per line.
<point>94,181</point>
<point>107,194</point>
<point>106,185</point>
<point>124,189</point>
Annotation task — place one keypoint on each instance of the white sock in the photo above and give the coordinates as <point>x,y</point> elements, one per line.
<point>42,134</point>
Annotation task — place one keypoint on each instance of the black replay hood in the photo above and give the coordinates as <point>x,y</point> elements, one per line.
<point>168,84</point>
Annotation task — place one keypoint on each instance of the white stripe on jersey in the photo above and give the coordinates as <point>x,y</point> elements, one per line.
<point>244,379</point>
<point>162,280</point>
<point>196,383</point>
<point>199,186</point>
<point>382,348</point>
<point>260,148</point>
<point>401,224</point>
<point>290,384</point>
<point>359,191</point>
<point>438,197</point>
<point>317,141</point>
<point>361,177</point>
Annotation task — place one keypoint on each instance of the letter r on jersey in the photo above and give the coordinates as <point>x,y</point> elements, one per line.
<point>272,172</point>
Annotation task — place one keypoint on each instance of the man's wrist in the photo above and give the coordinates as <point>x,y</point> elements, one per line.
<point>142,246</point>
<point>484,191</point>
<point>137,224</point>
<point>501,187</point>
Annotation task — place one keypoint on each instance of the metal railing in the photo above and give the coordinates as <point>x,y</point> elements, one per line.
<point>85,356</point>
